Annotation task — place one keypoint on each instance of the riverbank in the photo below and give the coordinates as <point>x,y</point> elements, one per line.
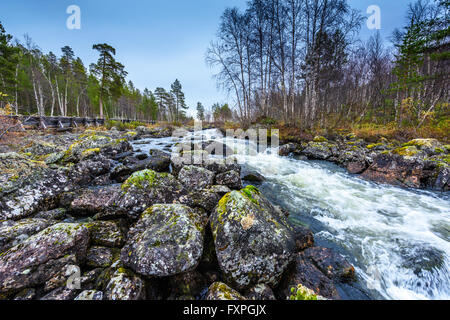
<point>88,215</point>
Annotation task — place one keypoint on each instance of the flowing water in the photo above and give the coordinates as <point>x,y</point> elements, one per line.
<point>397,239</point>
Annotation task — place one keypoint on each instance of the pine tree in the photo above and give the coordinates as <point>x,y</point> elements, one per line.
<point>179,99</point>
<point>110,73</point>
<point>200,111</point>
<point>8,62</point>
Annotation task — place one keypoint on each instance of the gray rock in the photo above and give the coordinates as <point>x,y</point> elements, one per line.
<point>15,232</point>
<point>34,261</point>
<point>254,241</point>
<point>196,178</point>
<point>106,233</point>
<point>101,257</point>
<point>167,240</point>
<point>230,179</point>
<point>145,188</point>
<point>125,285</point>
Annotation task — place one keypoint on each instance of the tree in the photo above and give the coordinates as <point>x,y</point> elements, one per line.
<point>8,62</point>
<point>200,111</point>
<point>179,99</point>
<point>110,73</point>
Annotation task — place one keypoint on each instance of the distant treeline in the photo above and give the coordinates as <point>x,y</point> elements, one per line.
<point>33,82</point>
<point>300,61</point>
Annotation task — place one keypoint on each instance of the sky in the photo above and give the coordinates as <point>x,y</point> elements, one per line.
<point>158,41</point>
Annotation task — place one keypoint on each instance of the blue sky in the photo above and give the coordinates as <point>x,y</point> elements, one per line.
<point>157,41</point>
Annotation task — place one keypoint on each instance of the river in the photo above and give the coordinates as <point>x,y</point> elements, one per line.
<point>397,239</point>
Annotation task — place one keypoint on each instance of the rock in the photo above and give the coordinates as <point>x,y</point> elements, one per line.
<point>61,294</point>
<point>147,187</point>
<point>15,232</point>
<point>287,149</point>
<point>100,257</point>
<point>206,198</point>
<point>106,233</point>
<point>52,215</point>
<point>230,179</point>
<point>220,291</point>
<point>98,200</point>
<point>332,264</point>
<point>196,178</point>
<point>89,144</point>
<point>35,260</point>
<point>254,241</point>
<point>304,272</point>
<point>84,172</point>
<point>304,238</point>
<point>442,180</point>
<point>428,146</point>
<point>254,177</point>
<point>89,279</point>
<point>68,269</point>
<point>261,292</point>
<point>356,167</point>
<point>125,285</point>
<point>320,150</point>
<point>167,240</point>
<point>28,186</point>
<point>396,170</point>
<point>90,295</point>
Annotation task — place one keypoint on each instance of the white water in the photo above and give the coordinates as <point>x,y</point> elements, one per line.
<point>398,239</point>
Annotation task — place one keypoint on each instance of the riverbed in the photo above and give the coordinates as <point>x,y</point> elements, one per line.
<point>397,239</point>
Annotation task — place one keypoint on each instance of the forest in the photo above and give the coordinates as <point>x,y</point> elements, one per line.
<point>293,62</point>
<point>302,62</point>
<point>35,83</point>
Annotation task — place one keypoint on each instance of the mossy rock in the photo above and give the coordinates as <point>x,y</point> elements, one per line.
<point>320,139</point>
<point>406,151</point>
<point>254,241</point>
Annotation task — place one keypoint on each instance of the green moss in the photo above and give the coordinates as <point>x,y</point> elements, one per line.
<point>420,143</point>
<point>141,179</point>
<point>302,293</point>
<point>249,192</point>
<point>374,145</point>
<point>320,139</point>
<point>406,151</point>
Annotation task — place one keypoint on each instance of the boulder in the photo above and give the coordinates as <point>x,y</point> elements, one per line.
<point>397,170</point>
<point>230,179</point>
<point>35,260</point>
<point>196,178</point>
<point>125,285</point>
<point>106,233</point>
<point>305,273</point>
<point>145,188</point>
<point>93,201</point>
<point>15,232</point>
<point>254,241</point>
<point>28,186</point>
<point>254,177</point>
<point>332,264</point>
<point>167,240</point>
<point>304,238</point>
<point>320,150</point>
<point>101,257</point>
